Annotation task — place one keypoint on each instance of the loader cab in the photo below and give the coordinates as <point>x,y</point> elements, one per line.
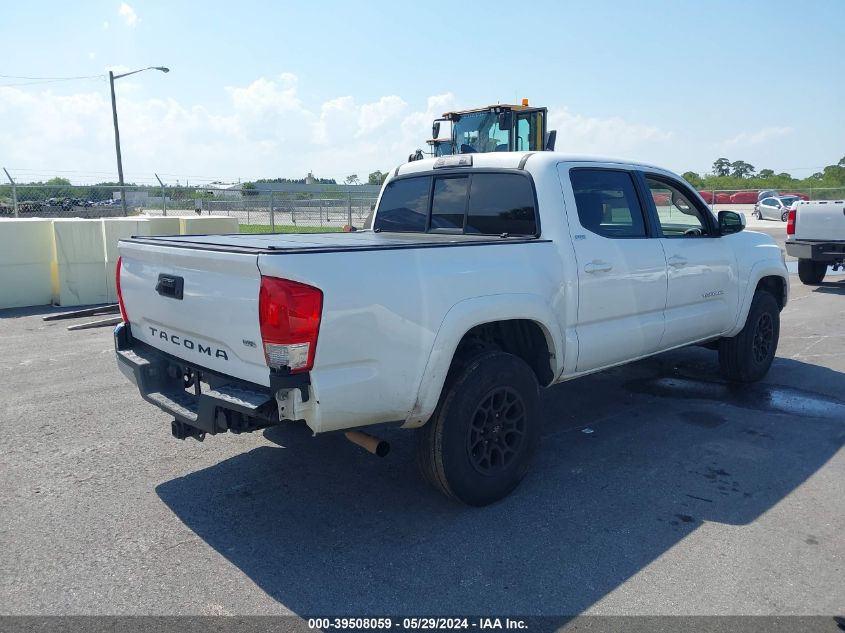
<point>440,147</point>
<point>500,128</point>
<point>496,128</point>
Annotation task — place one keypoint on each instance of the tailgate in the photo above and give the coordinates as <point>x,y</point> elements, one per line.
<point>198,305</point>
<point>822,220</point>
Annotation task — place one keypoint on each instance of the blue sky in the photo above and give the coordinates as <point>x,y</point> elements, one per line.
<point>278,89</point>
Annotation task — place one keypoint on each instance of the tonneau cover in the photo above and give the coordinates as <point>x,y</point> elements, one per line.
<point>322,242</point>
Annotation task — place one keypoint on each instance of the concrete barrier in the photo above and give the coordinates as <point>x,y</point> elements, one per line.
<point>115,229</point>
<point>72,261</point>
<point>208,225</point>
<point>78,267</point>
<point>26,251</point>
<point>162,226</point>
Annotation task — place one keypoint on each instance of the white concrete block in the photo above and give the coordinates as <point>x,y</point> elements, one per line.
<point>79,265</point>
<point>26,251</point>
<point>208,225</point>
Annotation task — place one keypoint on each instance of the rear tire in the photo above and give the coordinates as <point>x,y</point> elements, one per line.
<point>478,445</point>
<point>811,272</point>
<point>784,216</point>
<point>747,356</point>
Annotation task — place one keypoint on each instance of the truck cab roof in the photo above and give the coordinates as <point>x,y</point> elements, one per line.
<point>517,160</point>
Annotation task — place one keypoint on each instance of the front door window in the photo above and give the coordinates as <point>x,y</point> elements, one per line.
<point>677,215</point>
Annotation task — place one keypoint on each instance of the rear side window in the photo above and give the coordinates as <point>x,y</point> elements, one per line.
<point>501,203</point>
<point>607,202</point>
<point>404,205</point>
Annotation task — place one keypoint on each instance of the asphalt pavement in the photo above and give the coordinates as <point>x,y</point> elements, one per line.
<point>658,489</point>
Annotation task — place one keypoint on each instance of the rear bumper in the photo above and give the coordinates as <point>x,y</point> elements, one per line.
<point>221,403</point>
<point>816,251</point>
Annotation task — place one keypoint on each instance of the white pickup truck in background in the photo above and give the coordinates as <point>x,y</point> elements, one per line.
<point>483,278</point>
<point>816,236</point>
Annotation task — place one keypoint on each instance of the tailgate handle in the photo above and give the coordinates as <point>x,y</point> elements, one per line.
<point>170,286</point>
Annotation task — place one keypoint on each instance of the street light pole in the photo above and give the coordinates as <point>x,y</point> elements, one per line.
<point>14,191</point>
<point>163,200</point>
<point>112,77</point>
<point>117,145</point>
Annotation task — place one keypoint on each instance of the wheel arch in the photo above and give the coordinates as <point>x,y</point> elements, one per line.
<point>470,314</point>
<point>766,276</point>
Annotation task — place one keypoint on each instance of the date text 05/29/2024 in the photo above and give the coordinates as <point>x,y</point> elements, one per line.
<point>374,623</point>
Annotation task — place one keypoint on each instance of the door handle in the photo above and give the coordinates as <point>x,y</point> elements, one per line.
<point>596,266</point>
<point>676,261</point>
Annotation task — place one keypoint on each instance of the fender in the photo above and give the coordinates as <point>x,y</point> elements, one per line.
<point>461,318</point>
<point>763,268</point>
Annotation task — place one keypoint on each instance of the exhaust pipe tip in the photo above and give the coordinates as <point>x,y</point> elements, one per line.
<point>369,443</point>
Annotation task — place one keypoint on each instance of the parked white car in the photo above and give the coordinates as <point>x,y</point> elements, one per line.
<point>483,278</point>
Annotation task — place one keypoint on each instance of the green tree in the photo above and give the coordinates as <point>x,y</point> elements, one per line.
<point>353,180</point>
<point>248,189</point>
<point>826,185</point>
<point>741,169</point>
<point>722,167</point>
<point>692,178</point>
<point>376,178</point>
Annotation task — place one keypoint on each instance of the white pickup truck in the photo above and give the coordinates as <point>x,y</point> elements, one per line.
<point>815,234</point>
<point>482,278</point>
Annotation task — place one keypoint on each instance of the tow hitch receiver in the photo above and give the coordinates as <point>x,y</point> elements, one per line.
<point>182,431</point>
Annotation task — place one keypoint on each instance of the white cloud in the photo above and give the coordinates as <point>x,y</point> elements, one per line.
<point>416,126</point>
<point>612,136</point>
<point>92,55</point>
<point>128,14</point>
<point>337,118</point>
<point>743,139</point>
<point>265,130</point>
<point>372,116</point>
<point>263,95</point>
<point>106,25</point>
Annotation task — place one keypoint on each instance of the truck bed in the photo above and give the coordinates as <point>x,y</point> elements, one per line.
<point>300,243</point>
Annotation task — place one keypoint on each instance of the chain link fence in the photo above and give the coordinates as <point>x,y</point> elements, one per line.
<point>281,209</point>
<point>269,208</point>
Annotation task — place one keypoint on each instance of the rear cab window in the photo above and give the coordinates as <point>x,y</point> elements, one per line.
<point>478,203</point>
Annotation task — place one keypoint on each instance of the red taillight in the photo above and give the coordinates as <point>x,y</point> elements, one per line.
<point>119,293</point>
<point>289,315</point>
<point>790,222</point>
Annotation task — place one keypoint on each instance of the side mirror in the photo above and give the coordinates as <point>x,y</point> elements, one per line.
<point>730,222</point>
<point>506,120</point>
<point>435,130</point>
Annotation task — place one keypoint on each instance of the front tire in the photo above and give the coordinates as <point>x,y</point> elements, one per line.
<point>478,445</point>
<point>747,356</point>
<point>810,272</point>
